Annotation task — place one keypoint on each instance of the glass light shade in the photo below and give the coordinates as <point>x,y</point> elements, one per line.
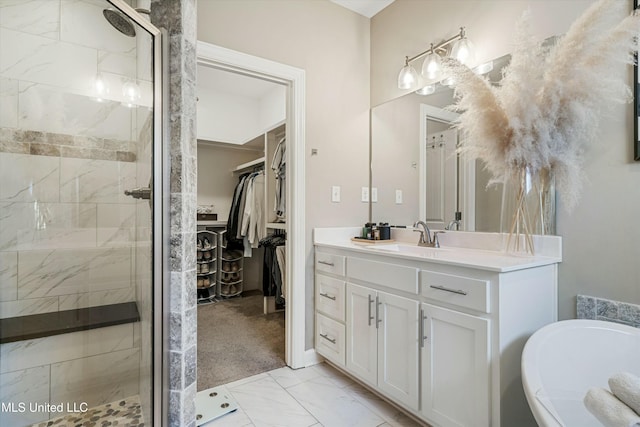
<point>408,77</point>
<point>463,51</point>
<point>432,66</point>
<point>131,93</point>
<point>427,90</point>
<point>101,87</point>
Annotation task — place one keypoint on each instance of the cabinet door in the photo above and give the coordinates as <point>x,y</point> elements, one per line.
<point>361,332</point>
<point>455,368</point>
<point>398,348</point>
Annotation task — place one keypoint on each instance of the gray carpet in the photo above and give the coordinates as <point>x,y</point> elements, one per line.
<point>236,340</point>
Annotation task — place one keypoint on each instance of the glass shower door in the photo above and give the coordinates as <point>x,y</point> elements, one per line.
<point>79,125</point>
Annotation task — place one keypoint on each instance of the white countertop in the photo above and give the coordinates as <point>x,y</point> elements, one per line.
<point>465,249</point>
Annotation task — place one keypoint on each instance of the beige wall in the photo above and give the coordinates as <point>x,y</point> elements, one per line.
<point>332,45</point>
<point>601,236</point>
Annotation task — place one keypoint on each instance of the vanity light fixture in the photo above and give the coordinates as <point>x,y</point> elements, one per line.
<point>408,76</point>
<point>431,88</point>
<point>462,50</point>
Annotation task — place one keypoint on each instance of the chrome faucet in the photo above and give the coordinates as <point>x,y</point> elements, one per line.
<point>453,223</point>
<point>425,231</point>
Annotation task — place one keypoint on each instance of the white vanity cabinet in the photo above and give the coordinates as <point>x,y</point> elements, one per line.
<point>382,342</point>
<point>455,367</point>
<point>442,339</point>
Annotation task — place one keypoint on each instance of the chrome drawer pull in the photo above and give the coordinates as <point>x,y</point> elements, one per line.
<point>421,332</point>
<point>453,291</point>
<point>371,301</point>
<point>326,337</point>
<point>332,298</point>
<point>330,264</point>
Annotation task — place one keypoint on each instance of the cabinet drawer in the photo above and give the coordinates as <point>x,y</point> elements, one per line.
<point>330,296</point>
<point>390,275</point>
<point>330,263</point>
<point>457,290</point>
<point>330,339</point>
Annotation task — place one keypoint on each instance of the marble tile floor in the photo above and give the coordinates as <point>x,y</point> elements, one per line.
<point>124,413</point>
<point>316,396</point>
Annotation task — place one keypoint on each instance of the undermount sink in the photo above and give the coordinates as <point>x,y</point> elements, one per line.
<point>410,249</point>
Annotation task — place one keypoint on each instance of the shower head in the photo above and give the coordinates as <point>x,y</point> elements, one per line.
<point>121,22</point>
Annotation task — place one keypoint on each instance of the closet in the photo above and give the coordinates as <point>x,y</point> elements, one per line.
<point>242,140</point>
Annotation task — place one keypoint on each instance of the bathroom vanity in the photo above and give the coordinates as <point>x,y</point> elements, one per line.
<point>439,332</point>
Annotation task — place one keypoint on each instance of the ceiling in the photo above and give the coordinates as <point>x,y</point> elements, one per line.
<point>366,8</point>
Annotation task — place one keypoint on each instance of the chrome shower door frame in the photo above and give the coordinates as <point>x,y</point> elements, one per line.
<point>160,206</point>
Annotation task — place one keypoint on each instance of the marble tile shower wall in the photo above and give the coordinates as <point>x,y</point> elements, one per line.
<point>53,54</point>
<point>69,238</point>
<point>589,307</point>
<point>68,234</point>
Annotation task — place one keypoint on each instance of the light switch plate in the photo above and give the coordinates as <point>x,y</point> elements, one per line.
<point>365,194</point>
<point>398,197</point>
<point>374,194</point>
<point>335,194</point>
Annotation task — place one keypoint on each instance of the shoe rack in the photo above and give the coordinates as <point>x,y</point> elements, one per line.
<point>231,273</point>
<point>207,265</point>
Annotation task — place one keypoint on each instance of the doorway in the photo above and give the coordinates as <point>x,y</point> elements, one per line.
<point>292,81</point>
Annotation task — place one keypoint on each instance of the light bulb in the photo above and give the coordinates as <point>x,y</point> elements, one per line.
<point>408,77</point>
<point>463,51</point>
<point>131,93</point>
<point>101,87</point>
<point>432,66</point>
<point>427,90</point>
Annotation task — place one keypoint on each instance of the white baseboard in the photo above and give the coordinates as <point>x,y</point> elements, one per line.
<point>312,358</point>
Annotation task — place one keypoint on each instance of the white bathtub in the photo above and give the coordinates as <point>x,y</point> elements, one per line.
<point>561,361</point>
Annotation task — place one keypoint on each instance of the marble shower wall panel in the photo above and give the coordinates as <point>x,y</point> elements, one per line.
<point>20,355</point>
<point>55,50</point>
<point>68,272</point>
<point>92,299</point>
<point>38,17</point>
<point>97,379</point>
<point>53,109</point>
<point>96,181</point>
<point>46,61</point>
<point>28,306</point>
<point>27,178</point>
<point>34,226</point>
<point>8,275</point>
<point>24,386</point>
<point>116,224</point>
<point>82,23</point>
<point>8,102</point>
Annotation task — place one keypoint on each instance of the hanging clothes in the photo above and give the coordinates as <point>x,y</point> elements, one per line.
<point>278,165</point>
<point>232,221</point>
<point>246,223</point>
<point>272,273</point>
<point>253,218</point>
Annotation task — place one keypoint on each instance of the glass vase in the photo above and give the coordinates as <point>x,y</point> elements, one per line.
<point>528,208</point>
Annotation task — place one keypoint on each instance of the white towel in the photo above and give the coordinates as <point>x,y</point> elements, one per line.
<point>626,387</point>
<point>609,410</point>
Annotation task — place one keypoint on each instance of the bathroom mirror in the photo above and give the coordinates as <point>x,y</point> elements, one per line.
<point>415,171</point>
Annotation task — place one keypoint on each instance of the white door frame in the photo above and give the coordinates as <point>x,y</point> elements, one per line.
<point>294,79</point>
<point>466,171</point>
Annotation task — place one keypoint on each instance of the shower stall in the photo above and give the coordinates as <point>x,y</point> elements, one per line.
<point>80,225</point>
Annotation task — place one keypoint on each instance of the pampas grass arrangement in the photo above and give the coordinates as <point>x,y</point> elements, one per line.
<point>546,111</point>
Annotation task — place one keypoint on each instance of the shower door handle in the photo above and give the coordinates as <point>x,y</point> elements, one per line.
<point>139,193</point>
